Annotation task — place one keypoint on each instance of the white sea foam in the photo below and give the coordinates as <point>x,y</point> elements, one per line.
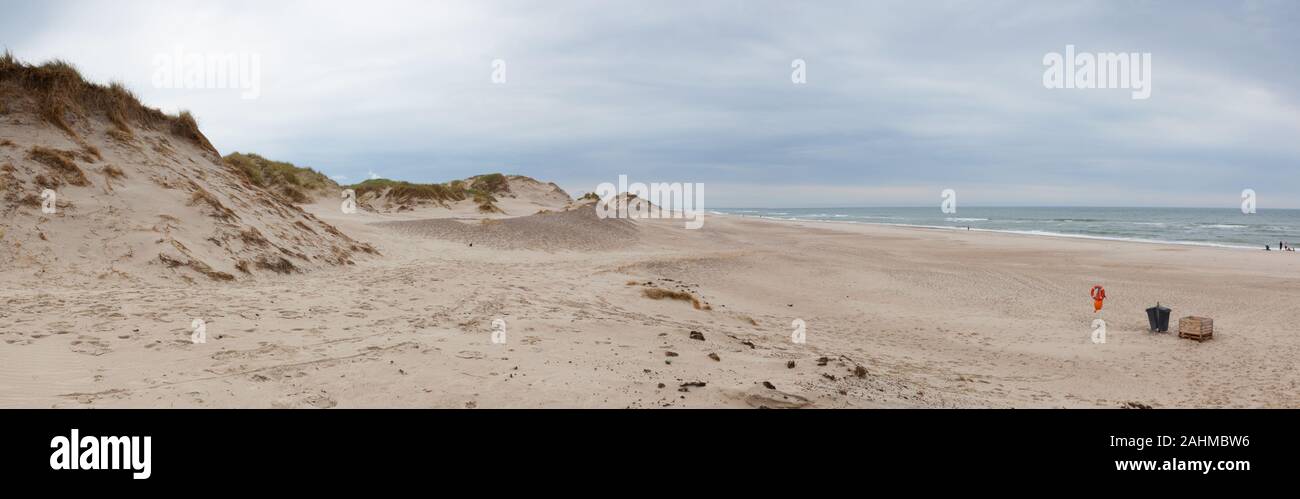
<point>1181,229</point>
<point>1045,233</point>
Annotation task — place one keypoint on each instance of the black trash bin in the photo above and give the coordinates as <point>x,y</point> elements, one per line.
<point>1158,316</point>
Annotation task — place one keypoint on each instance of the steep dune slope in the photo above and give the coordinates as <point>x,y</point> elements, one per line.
<point>94,185</point>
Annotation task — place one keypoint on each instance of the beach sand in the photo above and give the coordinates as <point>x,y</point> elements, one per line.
<point>933,318</point>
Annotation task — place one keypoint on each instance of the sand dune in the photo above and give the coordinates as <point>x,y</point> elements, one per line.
<point>481,196</point>
<point>134,195</point>
<point>577,229</point>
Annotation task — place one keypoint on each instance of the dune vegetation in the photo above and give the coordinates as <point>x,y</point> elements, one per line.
<point>294,183</point>
<point>58,93</point>
<point>480,189</point>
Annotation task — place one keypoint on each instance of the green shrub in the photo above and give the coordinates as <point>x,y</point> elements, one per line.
<point>290,181</point>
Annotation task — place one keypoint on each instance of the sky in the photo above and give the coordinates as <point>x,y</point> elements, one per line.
<point>898,100</point>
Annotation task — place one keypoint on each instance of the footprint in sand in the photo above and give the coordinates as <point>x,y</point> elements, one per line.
<point>89,345</point>
<point>319,400</point>
<point>91,398</point>
<point>761,396</point>
<point>471,354</point>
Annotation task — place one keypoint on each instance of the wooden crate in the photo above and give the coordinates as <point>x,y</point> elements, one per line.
<point>1196,328</point>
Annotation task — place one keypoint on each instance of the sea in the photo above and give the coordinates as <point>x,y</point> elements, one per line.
<point>1226,228</point>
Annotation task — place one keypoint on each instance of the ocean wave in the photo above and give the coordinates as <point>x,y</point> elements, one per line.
<point>1174,232</point>
<point>1116,238</point>
<point>1042,233</point>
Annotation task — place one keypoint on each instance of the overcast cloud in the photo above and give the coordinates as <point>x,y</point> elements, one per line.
<point>902,100</point>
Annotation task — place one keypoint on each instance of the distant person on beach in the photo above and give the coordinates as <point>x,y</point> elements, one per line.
<point>1266,248</point>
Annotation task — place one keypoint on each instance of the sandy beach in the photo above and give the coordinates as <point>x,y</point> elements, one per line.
<point>956,242</point>
<point>142,268</point>
<point>934,318</point>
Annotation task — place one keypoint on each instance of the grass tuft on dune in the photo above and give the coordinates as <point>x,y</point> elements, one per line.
<point>61,95</point>
<point>402,191</point>
<point>290,181</point>
<point>480,189</point>
<point>662,294</point>
<point>62,162</point>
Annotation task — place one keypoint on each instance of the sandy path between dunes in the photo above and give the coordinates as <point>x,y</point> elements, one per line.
<point>936,318</point>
